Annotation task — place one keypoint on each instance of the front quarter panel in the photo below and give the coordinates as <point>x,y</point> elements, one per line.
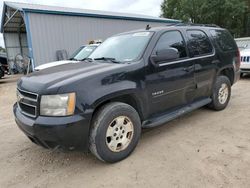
<point>91,92</point>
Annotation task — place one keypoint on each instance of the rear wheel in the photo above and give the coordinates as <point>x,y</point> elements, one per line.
<point>221,93</point>
<point>115,132</point>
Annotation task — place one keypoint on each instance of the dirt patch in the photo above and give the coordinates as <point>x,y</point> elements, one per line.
<point>201,149</point>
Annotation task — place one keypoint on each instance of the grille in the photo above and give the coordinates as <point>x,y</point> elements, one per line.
<point>27,102</point>
<point>245,58</point>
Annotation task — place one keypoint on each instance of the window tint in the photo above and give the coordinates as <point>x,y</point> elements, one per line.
<point>172,39</point>
<point>198,43</point>
<point>223,39</point>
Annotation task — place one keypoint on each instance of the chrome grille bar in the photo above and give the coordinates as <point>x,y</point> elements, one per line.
<point>27,102</point>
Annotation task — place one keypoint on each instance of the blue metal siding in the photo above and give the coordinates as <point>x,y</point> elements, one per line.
<point>100,16</point>
<point>50,33</point>
<point>29,40</point>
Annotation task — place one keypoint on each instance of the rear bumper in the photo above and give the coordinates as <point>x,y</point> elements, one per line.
<point>68,132</point>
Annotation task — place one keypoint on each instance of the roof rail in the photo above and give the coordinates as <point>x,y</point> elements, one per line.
<point>193,24</point>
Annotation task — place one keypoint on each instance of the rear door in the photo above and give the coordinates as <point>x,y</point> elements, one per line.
<point>202,54</point>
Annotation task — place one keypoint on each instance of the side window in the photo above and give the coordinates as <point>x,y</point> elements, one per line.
<point>198,43</point>
<point>223,39</point>
<point>172,39</point>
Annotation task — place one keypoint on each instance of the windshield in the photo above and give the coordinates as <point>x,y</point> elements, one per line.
<point>76,52</point>
<point>85,52</point>
<point>127,47</point>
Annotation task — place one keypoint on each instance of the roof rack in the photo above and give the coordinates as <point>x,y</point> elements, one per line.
<point>193,24</point>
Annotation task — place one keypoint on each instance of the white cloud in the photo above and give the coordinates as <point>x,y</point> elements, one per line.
<point>149,7</point>
<point>146,7</point>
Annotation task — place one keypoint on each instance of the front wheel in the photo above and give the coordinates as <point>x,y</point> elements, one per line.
<point>115,132</point>
<point>221,93</point>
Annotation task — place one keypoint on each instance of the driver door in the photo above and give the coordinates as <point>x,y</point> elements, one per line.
<point>170,83</point>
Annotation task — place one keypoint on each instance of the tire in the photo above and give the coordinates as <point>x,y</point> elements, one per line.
<point>105,123</point>
<point>1,72</point>
<point>241,75</point>
<point>220,97</point>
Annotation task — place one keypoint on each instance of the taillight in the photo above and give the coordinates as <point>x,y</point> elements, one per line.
<point>238,61</point>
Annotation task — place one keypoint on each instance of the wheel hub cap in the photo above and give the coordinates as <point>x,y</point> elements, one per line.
<point>223,93</point>
<point>119,134</point>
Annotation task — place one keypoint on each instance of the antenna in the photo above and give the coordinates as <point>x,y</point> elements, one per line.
<point>148,27</point>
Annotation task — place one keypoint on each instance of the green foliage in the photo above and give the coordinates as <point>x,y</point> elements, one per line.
<point>230,14</point>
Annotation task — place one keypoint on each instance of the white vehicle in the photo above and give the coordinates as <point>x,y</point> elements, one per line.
<point>245,61</point>
<point>79,55</point>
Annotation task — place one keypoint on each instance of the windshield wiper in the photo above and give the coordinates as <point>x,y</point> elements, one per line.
<point>108,59</point>
<point>73,59</point>
<point>86,59</point>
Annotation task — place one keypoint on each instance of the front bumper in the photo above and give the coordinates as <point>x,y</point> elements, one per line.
<point>245,70</point>
<point>245,67</point>
<point>70,132</point>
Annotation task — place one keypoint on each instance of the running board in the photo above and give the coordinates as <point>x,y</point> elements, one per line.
<point>172,115</point>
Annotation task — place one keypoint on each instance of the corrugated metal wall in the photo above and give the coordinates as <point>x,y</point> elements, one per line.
<point>50,33</point>
<point>12,45</point>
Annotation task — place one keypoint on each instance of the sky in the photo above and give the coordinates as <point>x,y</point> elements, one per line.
<point>146,7</point>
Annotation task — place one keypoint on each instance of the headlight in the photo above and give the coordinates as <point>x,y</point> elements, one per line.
<point>58,105</point>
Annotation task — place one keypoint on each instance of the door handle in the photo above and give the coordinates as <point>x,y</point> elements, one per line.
<point>188,69</point>
<point>215,62</point>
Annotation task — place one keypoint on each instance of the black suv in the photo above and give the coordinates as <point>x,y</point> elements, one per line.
<point>134,80</point>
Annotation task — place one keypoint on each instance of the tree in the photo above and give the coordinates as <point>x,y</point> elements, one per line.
<point>246,21</point>
<point>225,13</point>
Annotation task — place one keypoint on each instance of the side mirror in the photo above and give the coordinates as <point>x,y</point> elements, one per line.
<point>164,55</point>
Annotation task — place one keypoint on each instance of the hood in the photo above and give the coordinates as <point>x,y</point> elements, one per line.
<point>245,52</point>
<point>53,64</point>
<point>50,80</point>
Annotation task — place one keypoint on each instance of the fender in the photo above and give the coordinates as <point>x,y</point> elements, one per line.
<point>230,74</point>
<point>133,97</point>
<point>230,66</point>
<point>109,88</point>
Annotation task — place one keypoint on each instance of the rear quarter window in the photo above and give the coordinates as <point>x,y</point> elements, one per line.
<point>198,43</point>
<point>223,39</point>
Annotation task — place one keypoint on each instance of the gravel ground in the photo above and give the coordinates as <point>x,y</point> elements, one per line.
<point>201,149</point>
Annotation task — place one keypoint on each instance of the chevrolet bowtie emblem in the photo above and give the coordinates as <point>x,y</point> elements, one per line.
<point>19,97</point>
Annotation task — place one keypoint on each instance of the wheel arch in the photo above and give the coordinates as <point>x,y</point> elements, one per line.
<point>128,98</point>
<point>228,72</point>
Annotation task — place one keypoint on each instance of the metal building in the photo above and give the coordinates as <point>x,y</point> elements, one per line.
<point>38,31</point>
